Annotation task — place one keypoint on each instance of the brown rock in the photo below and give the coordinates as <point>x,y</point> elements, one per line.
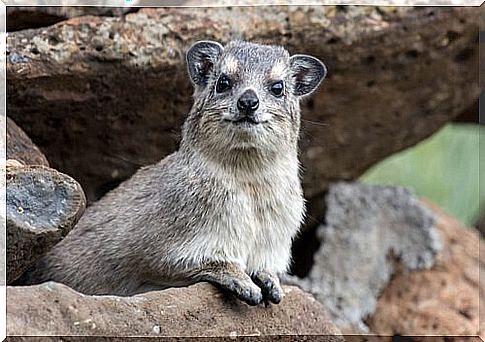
<point>21,148</point>
<point>27,17</point>
<point>42,207</point>
<point>443,300</point>
<point>470,115</point>
<point>198,310</point>
<point>117,88</point>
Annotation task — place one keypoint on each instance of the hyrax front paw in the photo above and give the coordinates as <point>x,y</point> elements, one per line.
<point>270,286</point>
<point>232,278</point>
<point>244,291</point>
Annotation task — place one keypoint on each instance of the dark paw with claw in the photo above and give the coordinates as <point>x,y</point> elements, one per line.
<point>246,292</point>
<point>270,286</point>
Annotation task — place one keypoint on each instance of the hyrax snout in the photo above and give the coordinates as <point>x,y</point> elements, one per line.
<point>224,208</point>
<point>247,103</point>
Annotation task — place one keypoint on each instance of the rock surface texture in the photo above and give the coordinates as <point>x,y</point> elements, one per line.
<point>26,17</point>
<point>43,205</point>
<point>390,264</point>
<point>444,300</point>
<point>367,229</point>
<point>20,147</point>
<point>115,90</point>
<point>199,310</point>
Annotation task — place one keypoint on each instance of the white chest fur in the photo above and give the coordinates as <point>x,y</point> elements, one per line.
<point>256,223</point>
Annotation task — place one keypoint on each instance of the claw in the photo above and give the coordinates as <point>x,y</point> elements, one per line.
<point>245,292</point>
<point>270,288</point>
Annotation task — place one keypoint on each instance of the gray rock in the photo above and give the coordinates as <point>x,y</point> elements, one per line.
<point>199,310</point>
<point>368,230</point>
<point>43,205</point>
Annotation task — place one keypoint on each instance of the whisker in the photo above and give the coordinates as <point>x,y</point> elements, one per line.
<point>314,219</point>
<point>126,160</point>
<point>315,122</point>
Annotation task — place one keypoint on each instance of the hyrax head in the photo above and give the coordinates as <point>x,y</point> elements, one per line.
<point>247,95</point>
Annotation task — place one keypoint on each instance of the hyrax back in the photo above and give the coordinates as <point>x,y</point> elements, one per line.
<point>225,207</point>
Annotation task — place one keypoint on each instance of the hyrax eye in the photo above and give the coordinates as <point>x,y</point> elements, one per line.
<point>223,83</point>
<point>277,88</point>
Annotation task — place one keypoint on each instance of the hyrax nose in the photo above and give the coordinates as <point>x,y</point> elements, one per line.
<point>248,102</point>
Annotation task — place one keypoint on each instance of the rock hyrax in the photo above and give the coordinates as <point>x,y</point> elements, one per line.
<point>225,207</point>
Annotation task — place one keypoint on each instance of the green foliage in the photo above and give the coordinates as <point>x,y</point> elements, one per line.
<point>444,168</point>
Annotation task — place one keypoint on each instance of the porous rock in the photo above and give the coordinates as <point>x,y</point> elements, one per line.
<point>117,88</point>
<point>42,207</point>
<point>199,310</point>
<point>367,230</point>
<point>444,300</point>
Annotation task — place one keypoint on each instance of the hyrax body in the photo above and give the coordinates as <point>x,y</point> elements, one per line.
<point>222,209</point>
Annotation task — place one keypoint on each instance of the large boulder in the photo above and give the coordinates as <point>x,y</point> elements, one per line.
<point>199,310</point>
<point>118,91</point>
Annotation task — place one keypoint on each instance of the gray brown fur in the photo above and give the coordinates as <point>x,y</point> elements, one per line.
<point>223,209</point>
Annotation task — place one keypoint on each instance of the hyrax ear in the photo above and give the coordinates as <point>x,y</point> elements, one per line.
<point>201,58</point>
<point>308,72</point>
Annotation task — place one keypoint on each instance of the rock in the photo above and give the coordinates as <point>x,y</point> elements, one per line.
<point>199,310</point>
<point>119,85</point>
<point>13,163</point>
<point>444,300</point>
<point>42,203</point>
<point>470,115</point>
<point>20,147</point>
<point>481,223</point>
<point>367,230</point>
<point>316,2</point>
<point>42,207</point>
<point>27,17</point>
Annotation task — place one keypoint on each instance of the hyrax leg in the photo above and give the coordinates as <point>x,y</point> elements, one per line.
<point>232,278</point>
<point>270,286</point>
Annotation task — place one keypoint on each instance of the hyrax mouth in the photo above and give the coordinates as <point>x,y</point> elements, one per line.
<point>245,121</point>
